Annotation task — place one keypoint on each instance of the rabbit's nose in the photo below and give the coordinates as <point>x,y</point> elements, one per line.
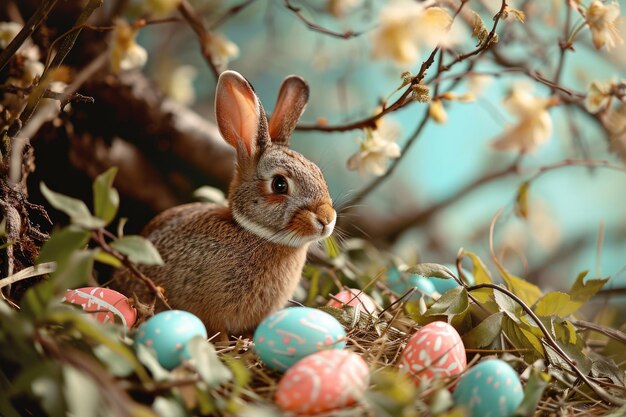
<point>326,216</point>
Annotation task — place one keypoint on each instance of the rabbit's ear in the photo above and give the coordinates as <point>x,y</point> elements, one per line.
<point>240,116</point>
<point>292,99</point>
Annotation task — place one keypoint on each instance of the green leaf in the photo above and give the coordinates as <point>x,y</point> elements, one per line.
<point>63,243</point>
<point>583,291</point>
<point>106,199</point>
<point>556,304</point>
<point>168,407</point>
<point>521,200</point>
<point>148,358</point>
<point>508,305</point>
<point>107,259</point>
<point>74,272</point>
<point>523,339</point>
<point>71,319</point>
<point>431,270</point>
<point>138,250</point>
<point>209,366</point>
<point>77,210</point>
<point>485,333</point>
<point>527,292</point>
<point>479,270</point>
<point>332,247</point>
<point>116,364</point>
<point>81,393</point>
<point>452,303</point>
<point>533,392</point>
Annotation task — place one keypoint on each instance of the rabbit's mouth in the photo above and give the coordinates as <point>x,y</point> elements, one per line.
<point>305,227</point>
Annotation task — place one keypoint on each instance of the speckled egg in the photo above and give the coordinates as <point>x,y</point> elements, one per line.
<point>353,298</point>
<point>444,285</point>
<point>434,351</point>
<point>290,334</point>
<point>168,333</point>
<point>401,284</point>
<point>104,304</point>
<point>324,381</point>
<point>490,389</point>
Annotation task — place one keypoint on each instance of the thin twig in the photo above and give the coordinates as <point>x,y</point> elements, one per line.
<point>404,99</point>
<point>204,35</point>
<point>40,15</point>
<point>39,91</point>
<point>317,28</point>
<point>230,13</point>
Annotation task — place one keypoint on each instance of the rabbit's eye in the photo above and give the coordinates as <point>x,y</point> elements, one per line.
<point>279,184</point>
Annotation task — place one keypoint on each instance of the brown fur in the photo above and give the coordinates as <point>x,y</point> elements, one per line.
<point>232,266</point>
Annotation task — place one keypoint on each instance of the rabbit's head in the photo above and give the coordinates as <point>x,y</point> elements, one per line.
<point>276,193</point>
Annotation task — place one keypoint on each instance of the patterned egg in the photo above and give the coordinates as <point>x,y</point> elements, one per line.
<point>106,305</point>
<point>290,334</point>
<point>434,351</point>
<point>444,285</point>
<point>354,298</point>
<point>490,389</point>
<point>167,333</point>
<point>400,284</point>
<point>322,382</point>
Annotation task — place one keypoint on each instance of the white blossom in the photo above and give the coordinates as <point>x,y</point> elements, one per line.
<point>32,69</point>
<point>178,84</point>
<point>125,53</point>
<point>222,50</point>
<point>534,124</point>
<point>8,31</point>
<point>437,112</point>
<point>598,96</point>
<point>406,27</point>
<point>340,8</point>
<point>376,149</point>
<point>603,21</point>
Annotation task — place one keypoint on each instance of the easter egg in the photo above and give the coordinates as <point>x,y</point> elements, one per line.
<point>353,298</point>
<point>167,333</point>
<point>290,334</point>
<point>491,388</point>
<point>323,381</point>
<point>104,304</point>
<point>434,351</point>
<point>444,285</point>
<point>400,285</point>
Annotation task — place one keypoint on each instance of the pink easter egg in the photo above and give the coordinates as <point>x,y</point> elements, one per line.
<point>434,351</point>
<point>353,298</point>
<point>324,381</point>
<point>105,304</point>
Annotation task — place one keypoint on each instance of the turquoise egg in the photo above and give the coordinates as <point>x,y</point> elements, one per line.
<point>489,389</point>
<point>400,285</point>
<point>167,333</point>
<point>444,285</point>
<point>290,334</point>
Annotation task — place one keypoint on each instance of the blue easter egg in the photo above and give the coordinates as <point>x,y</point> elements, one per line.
<point>400,285</point>
<point>290,334</point>
<point>444,285</point>
<point>167,333</point>
<point>491,388</point>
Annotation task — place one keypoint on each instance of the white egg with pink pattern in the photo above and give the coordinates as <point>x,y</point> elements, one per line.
<point>435,351</point>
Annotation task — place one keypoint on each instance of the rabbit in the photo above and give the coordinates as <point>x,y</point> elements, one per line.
<point>234,265</point>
